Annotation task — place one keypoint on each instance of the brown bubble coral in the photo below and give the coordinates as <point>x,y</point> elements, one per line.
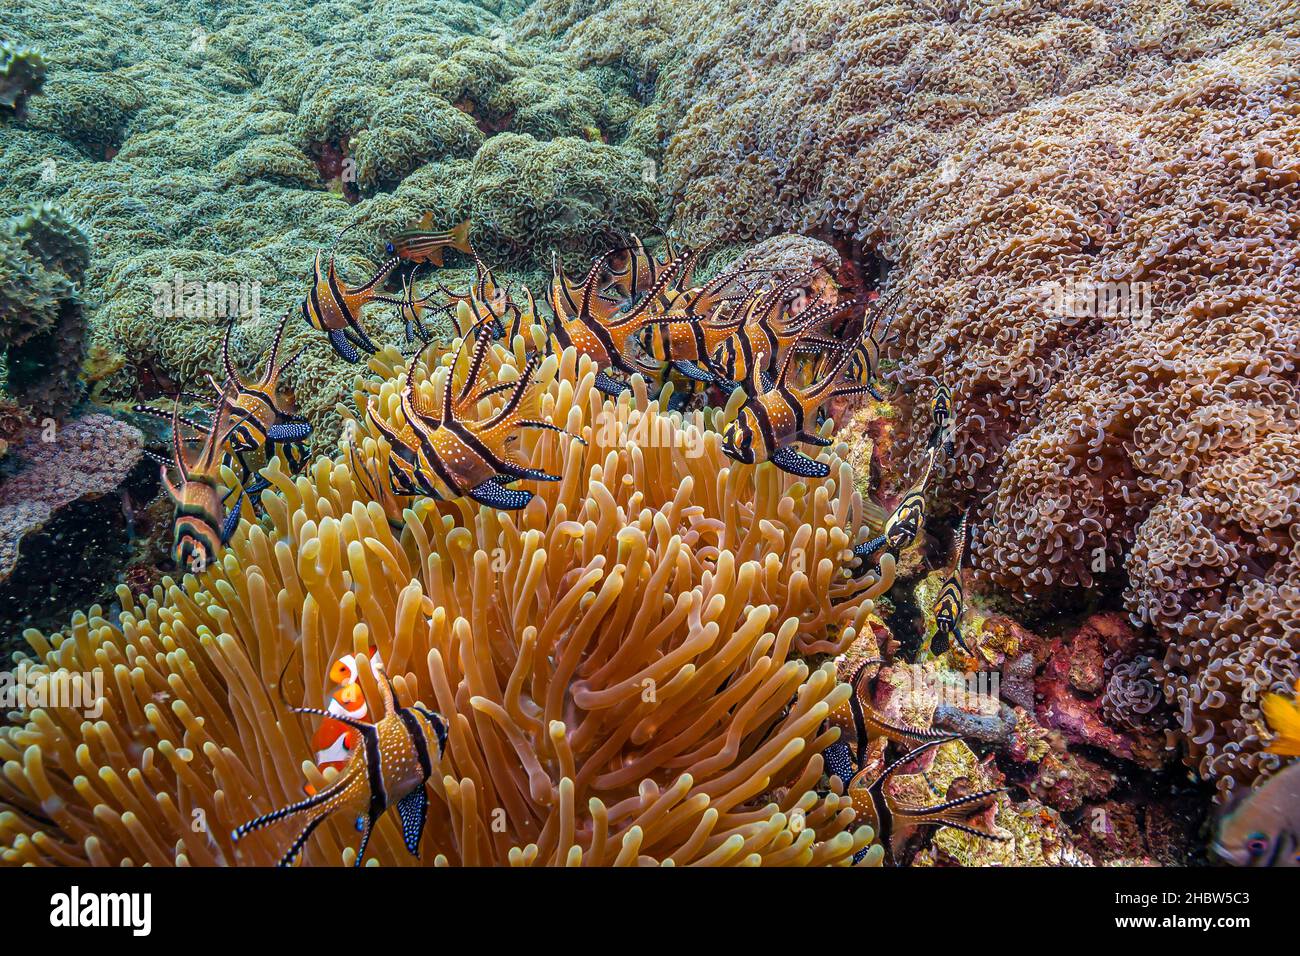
<point>1091,216</point>
<point>621,664</point>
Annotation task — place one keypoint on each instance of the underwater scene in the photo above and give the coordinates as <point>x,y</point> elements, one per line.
<point>558,433</point>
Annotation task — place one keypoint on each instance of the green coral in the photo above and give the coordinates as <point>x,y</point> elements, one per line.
<point>205,146</point>
<point>42,329</point>
<point>407,131</point>
<point>86,109</point>
<point>22,73</point>
<point>567,194</point>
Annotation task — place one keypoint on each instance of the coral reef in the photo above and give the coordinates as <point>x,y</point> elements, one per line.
<point>43,257</point>
<point>87,456</point>
<point>161,135</point>
<point>1091,209</point>
<point>1088,212</point>
<point>576,649</point>
<point>22,73</point>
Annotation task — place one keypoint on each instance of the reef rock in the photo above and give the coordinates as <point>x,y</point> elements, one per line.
<point>85,457</point>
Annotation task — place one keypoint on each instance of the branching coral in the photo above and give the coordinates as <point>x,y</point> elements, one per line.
<point>621,663</point>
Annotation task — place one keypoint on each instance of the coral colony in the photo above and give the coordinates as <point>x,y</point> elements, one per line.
<point>530,437</point>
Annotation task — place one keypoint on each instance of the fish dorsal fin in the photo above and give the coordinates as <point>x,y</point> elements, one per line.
<point>482,342</point>
<point>232,374</point>
<point>209,457</point>
<point>426,221</point>
<point>274,367</point>
<point>783,379</point>
<point>670,271</point>
<point>961,542</point>
<point>590,288</point>
<point>333,272</point>
<point>497,429</point>
<point>776,297</point>
<point>483,278</point>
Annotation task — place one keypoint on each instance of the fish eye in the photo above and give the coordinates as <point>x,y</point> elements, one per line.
<point>389,248</point>
<point>1257,843</point>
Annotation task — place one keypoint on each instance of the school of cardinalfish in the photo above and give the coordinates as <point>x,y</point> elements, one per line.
<point>632,313</point>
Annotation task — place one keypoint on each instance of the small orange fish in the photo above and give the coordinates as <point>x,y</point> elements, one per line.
<point>334,739</point>
<point>423,243</point>
<point>389,768</point>
<point>1283,716</point>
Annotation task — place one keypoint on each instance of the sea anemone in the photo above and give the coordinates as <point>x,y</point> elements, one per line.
<point>623,665</point>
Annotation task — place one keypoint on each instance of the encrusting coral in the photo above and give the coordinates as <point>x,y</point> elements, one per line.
<point>22,73</point>
<point>43,257</point>
<point>621,664</point>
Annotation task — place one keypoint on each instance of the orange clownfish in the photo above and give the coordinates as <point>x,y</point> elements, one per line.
<point>334,739</point>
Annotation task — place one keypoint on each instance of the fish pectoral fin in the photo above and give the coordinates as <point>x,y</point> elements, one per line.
<point>504,499</point>
<point>797,463</point>
<point>414,810</point>
<point>812,439</point>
